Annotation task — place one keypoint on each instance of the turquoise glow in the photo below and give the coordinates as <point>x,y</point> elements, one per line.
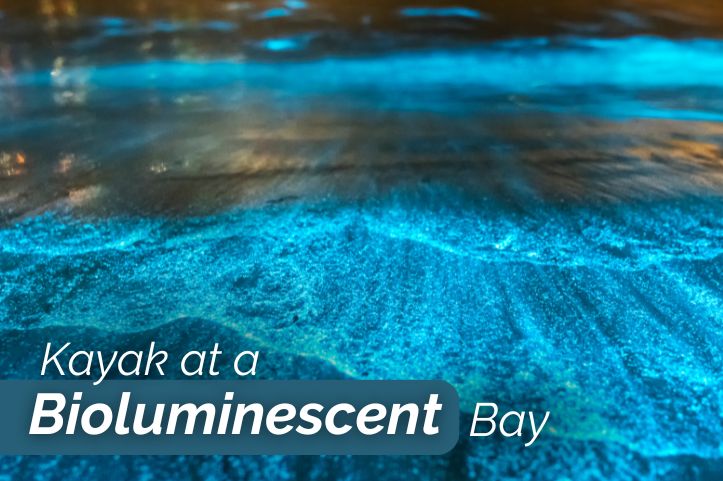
<point>528,66</point>
<point>459,12</point>
<point>538,221</point>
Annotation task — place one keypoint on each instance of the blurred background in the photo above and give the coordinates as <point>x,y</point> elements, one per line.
<point>202,105</point>
<point>521,198</point>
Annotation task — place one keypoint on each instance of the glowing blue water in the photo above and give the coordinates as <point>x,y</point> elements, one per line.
<point>538,221</point>
<point>600,77</point>
<point>609,317</point>
<point>532,65</point>
<point>443,12</point>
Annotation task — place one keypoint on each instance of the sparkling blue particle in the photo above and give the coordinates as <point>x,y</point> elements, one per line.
<point>281,44</point>
<point>459,12</point>
<point>273,13</point>
<point>296,4</point>
<point>112,22</point>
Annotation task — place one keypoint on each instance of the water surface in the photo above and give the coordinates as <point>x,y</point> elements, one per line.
<point>523,201</point>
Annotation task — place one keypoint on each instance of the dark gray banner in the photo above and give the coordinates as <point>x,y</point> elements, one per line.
<point>228,417</point>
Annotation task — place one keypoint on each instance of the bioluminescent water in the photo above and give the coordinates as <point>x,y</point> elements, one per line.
<point>525,200</point>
